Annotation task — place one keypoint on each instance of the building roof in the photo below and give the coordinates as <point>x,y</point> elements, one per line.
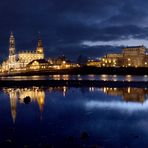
<point>26,51</point>
<point>135,46</point>
<point>114,55</point>
<point>39,61</point>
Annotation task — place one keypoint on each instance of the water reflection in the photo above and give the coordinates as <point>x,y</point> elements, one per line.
<point>103,77</point>
<point>133,99</point>
<point>66,112</point>
<point>128,94</point>
<point>28,95</point>
<point>36,94</point>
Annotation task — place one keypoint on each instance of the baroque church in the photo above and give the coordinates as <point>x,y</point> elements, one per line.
<point>19,61</point>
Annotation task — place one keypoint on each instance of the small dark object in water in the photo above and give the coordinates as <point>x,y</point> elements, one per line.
<point>26,146</point>
<point>27,100</point>
<point>8,141</point>
<point>84,136</point>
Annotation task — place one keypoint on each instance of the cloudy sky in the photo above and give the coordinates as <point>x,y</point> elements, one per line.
<point>74,27</point>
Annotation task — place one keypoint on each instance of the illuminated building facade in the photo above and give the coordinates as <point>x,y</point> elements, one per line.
<point>61,63</point>
<point>31,60</point>
<point>134,56</point>
<point>38,64</point>
<point>130,57</point>
<point>17,61</point>
<point>94,63</point>
<point>112,60</point>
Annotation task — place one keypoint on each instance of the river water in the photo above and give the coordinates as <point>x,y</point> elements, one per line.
<point>74,117</point>
<point>80,77</point>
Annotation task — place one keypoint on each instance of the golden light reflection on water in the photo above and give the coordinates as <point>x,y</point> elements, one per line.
<point>109,77</point>
<point>128,78</point>
<point>36,94</point>
<point>122,99</point>
<point>27,95</point>
<point>128,94</point>
<point>104,77</point>
<point>60,77</point>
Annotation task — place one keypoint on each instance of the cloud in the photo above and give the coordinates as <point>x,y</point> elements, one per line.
<point>129,42</point>
<point>65,24</point>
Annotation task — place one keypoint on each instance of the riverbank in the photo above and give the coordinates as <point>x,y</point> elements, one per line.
<point>85,70</point>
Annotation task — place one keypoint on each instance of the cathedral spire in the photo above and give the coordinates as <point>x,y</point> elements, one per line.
<point>11,44</point>
<point>40,48</point>
<point>11,34</point>
<point>40,44</point>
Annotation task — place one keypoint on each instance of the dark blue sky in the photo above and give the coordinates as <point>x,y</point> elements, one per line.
<point>74,27</point>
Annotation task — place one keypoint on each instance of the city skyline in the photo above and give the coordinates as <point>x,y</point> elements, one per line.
<point>35,61</point>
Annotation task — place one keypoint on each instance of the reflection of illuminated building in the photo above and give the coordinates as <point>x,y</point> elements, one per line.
<point>135,94</point>
<point>60,77</point>
<point>35,94</point>
<point>41,99</point>
<point>13,102</point>
<point>128,94</point>
<point>63,89</point>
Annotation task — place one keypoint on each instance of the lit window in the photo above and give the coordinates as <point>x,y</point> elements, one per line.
<point>129,59</point>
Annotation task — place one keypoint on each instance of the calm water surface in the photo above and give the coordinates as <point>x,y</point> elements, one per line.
<point>73,117</point>
<point>80,77</point>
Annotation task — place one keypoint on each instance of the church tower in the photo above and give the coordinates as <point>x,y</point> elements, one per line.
<point>12,56</point>
<point>40,49</point>
<point>11,45</point>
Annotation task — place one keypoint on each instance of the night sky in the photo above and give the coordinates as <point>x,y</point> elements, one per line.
<point>74,27</point>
